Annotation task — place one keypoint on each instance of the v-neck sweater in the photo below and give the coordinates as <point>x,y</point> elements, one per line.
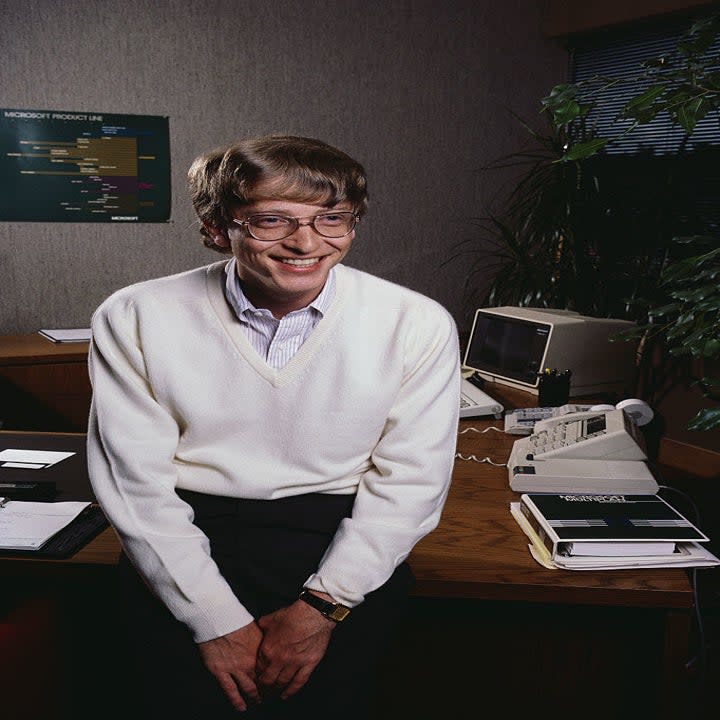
<point>181,400</point>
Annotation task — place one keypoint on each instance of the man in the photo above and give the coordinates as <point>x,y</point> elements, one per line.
<point>270,436</point>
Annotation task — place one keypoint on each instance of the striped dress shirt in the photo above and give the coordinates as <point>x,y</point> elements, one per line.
<point>276,340</point>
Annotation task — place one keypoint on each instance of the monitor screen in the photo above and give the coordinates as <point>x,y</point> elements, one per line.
<point>507,347</point>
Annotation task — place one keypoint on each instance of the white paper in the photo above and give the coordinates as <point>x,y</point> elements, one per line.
<point>539,552</point>
<point>32,458</point>
<point>68,335</point>
<point>23,465</point>
<point>690,554</point>
<point>29,525</point>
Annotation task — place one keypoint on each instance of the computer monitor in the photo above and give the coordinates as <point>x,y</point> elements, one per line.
<point>512,345</point>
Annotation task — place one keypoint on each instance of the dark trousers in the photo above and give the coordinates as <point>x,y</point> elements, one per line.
<point>265,549</point>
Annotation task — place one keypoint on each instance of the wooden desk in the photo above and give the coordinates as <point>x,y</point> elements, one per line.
<point>73,484</point>
<point>477,555</point>
<point>43,385</point>
<point>479,552</point>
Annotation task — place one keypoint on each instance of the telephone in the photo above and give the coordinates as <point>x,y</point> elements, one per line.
<point>522,421</point>
<point>588,451</point>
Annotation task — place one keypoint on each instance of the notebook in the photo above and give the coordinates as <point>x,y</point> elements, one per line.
<point>88,523</point>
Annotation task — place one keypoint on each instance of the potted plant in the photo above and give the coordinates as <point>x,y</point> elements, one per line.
<point>569,239</point>
<point>685,314</point>
<point>689,324</point>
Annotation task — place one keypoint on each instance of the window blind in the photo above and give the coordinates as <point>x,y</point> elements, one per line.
<point>648,155</point>
<point>620,55</point>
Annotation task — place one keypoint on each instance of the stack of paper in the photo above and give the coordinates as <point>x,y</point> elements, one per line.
<point>29,525</point>
<point>31,459</point>
<point>605,532</point>
<point>69,335</point>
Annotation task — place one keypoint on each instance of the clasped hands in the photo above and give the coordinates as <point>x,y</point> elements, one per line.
<point>275,655</point>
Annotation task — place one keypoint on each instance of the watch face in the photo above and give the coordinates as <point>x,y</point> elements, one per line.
<point>339,613</point>
<point>333,611</point>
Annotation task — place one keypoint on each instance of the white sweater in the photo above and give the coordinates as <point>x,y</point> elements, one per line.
<point>369,404</point>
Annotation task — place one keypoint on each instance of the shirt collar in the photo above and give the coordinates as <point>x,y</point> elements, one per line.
<point>241,305</point>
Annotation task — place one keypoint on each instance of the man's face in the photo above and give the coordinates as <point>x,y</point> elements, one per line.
<point>285,275</point>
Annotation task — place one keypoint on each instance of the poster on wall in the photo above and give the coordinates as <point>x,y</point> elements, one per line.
<point>61,166</point>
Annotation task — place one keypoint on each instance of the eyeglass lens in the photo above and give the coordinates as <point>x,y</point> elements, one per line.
<point>277,227</point>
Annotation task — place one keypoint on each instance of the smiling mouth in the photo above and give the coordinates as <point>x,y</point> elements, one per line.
<point>299,262</point>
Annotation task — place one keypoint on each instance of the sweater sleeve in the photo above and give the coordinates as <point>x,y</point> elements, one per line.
<point>400,498</point>
<point>132,441</point>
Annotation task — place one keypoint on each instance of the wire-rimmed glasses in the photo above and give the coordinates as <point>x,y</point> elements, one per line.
<point>273,226</point>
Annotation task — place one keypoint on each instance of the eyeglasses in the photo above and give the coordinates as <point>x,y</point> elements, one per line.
<point>269,227</point>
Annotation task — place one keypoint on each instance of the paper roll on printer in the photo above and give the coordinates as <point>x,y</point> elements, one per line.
<point>638,410</point>
<point>594,451</point>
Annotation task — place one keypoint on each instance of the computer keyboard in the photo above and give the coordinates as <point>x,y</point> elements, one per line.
<point>475,402</point>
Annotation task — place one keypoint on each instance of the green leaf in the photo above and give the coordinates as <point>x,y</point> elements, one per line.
<point>583,150</point>
<point>710,306</point>
<point>679,270</point>
<point>702,35</point>
<point>712,274</point>
<point>654,62</point>
<point>567,112</point>
<point>671,309</point>
<point>706,419</point>
<point>642,103</point>
<point>712,81</point>
<point>701,240</point>
<point>560,94</point>
<point>689,114</point>
<point>559,98</point>
<point>643,116</point>
<point>696,295</point>
<point>712,348</point>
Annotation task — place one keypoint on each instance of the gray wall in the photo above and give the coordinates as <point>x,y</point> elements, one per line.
<point>417,90</point>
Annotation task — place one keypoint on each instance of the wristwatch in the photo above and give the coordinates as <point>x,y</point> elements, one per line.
<point>333,611</point>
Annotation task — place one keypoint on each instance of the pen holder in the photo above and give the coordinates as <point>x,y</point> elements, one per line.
<point>553,388</point>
